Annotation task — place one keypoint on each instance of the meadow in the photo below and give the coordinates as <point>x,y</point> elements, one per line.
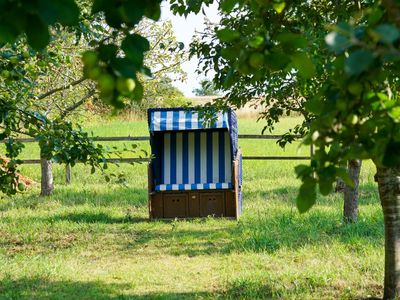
<point>93,239</point>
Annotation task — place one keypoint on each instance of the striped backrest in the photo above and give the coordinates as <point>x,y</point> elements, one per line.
<point>193,157</point>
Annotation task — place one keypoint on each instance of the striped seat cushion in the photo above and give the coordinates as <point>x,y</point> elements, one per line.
<point>199,159</point>
<point>193,186</point>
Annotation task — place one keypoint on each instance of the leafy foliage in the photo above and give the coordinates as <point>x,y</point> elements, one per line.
<point>264,63</point>
<point>119,55</point>
<point>206,88</point>
<point>346,91</point>
<point>40,88</point>
<point>357,115</point>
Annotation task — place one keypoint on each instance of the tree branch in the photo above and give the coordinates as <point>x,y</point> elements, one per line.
<point>168,67</point>
<point>160,39</point>
<point>77,104</point>
<point>61,88</point>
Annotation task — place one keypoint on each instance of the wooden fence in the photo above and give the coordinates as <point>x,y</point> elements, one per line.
<point>146,138</point>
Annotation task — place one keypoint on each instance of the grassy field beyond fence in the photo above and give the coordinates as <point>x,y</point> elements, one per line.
<point>93,240</point>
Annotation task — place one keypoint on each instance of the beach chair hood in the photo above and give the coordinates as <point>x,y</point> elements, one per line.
<point>184,119</point>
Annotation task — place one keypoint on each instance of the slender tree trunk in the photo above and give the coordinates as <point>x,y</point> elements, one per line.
<point>68,174</point>
<point>389,192</point>
<point>47,185</point>
<point>350,210</point>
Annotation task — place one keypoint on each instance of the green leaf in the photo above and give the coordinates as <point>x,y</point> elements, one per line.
<point>124,67</point>
<point>337,42</point>
<point>394,113</point>
<point>307,195</point>
<point>291,40</point>
<point>277,61</point>
<point>325,187</point>
<point>107,52</point>
<point>153,11</point>
<point>37,33</point>
<point>8,33</point>
<point>358,62</point>
<point>302,170</point>
<point>65,12</point>
<point>375,16</point>
<point>134,10</point>
<point>302,62</point>
<point>114,18</point>
<point>279,7</point>
<point>134,47</point>
<point>229,53</point>
<point>227,35</point>
<point>344,175</point>
<point>327,176</point>
<point>101,5</point>
<point>227,5</point>
<point>256,42</point>
<point>229,78</point>
<point>388,33</point>
<point>137,93</point>
<point>314,105</point>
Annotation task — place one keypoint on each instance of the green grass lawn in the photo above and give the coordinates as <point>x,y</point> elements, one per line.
<point>93,240</point>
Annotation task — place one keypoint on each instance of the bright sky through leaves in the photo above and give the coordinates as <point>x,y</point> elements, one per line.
<point>184,30</point>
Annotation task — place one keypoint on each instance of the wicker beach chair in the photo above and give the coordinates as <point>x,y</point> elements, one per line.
<point>195,170</point>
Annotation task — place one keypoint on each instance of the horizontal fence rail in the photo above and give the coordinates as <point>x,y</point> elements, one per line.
<point>146,138</point>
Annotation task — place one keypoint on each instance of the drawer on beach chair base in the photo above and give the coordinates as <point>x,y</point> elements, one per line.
<point>194,186</point>
<point>193,204</point>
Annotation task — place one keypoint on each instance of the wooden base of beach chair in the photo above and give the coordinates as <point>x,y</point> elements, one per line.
<point>198,203</point>
<point>193,204</point>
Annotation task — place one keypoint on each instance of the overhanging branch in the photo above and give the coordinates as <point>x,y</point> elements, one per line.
<point>61,88</point>
<point>77,104</point>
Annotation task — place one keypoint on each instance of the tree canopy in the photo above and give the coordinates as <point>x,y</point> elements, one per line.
<point>42,84</point>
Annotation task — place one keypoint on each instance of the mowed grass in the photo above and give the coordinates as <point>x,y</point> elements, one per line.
<point>93,240</point>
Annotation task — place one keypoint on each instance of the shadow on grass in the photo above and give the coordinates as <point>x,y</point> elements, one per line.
<point>266,233</point>
<point>67,196</point>
<point>117,195</point>
<point>92,218</point>
<point>269,227</point>
<point>186,242</point>
<point>43,288</point>
<point>368,194</point>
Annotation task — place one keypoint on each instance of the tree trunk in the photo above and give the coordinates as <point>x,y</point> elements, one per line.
<point>350,210</point>
<point>47,185</point>
<point>68,174</point>
<point>389,192</point>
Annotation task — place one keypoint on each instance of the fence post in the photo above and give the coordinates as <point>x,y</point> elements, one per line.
<point>312,150</point>
<point>67,173</point>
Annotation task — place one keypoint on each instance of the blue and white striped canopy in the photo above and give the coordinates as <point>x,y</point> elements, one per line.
<point>169,120</point>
